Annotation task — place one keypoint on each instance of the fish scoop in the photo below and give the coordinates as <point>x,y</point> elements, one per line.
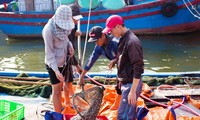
<point>87,103</point>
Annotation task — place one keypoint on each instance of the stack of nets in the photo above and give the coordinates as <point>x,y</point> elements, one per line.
<point>87,103</point>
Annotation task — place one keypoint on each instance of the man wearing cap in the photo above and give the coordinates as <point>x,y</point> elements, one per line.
<point>57,50</point>
<point>105,45</point>
<point>68,86</point>
<point>130,66</point>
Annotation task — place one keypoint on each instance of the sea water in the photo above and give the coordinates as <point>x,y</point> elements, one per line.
<point>169,53</point>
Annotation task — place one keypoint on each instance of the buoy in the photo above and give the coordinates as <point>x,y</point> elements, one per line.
<point>86,3</point>
<point>113,4</point>
<point>64,2</point>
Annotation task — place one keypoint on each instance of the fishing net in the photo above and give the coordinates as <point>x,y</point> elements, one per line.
<point>87,103</point>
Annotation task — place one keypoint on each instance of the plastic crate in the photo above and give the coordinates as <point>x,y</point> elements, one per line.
<point>11,110</point>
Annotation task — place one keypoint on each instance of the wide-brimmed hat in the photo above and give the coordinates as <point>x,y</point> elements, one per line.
<point>95,33</point>
<point>63,17</point>
<point>76,13</point>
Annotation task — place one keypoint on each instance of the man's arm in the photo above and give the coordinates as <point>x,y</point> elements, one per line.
<point>138,68</point>
<point>81,78</point>
<point>112,63</point>
<point>91,60</point>
<point>132,94</point>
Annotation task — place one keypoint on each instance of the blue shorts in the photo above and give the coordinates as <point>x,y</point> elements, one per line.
<point>125,110</point>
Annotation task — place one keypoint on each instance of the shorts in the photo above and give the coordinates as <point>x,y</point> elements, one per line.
<point>53,79</point>
<point>67,72</point>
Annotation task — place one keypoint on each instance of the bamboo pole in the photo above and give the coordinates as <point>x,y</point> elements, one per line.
<point>23,82</point>
<point>46,79</point>
<point>106,79</point>
<point>79,45</point>
<point>24,78</point>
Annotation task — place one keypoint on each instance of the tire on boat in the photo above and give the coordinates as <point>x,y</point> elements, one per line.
<point>169,9</point>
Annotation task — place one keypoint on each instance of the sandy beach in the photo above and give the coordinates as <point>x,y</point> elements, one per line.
<point>32,105</point>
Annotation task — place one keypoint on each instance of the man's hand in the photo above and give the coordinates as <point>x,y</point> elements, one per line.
<point>79,69</point>
<point>78,33</point>
<point>59,76</point>
<point>81,78</point>
<point>132,94</point>
<point>112,64</point>
<point>132,98</point>
<point>81,81</point>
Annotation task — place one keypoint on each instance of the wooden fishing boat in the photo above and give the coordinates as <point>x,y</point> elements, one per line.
<point>5,1</point>
<point>142,17</point>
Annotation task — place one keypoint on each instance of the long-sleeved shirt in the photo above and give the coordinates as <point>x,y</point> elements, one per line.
<point>109,51</point>
<point>55,48</point>
<point>72,37</point>
<point>130,58</point>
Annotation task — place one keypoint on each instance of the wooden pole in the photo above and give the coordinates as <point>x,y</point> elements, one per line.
<point>25,78</point>
<point>46,79</point>
<point>52,5</point>
<point>23,82</point>
<point>79,45</point>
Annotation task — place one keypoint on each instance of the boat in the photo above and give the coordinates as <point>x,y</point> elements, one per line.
<point>103,74</point>
<point>155,17</point>
<point>166,98</point>
<point>5,1</point>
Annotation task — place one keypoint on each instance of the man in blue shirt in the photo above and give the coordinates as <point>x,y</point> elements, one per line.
<point>105,45</point>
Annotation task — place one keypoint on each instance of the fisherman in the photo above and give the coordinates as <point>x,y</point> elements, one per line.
<point>106,45</point>
<point>58,50</point>
<point>130,66</point>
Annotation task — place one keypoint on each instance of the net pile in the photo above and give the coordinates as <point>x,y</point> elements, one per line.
<point>87,103</point>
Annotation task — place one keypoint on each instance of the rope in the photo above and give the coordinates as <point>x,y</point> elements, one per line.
<point>179,104</point>
<point>94,80</point>
<point>194,8</point>
<point>163,105</point>
<point>191,10</point>
<point>87,33</point>
<point>67,62</point>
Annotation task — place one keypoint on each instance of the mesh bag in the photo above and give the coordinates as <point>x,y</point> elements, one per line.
<point>87,103</point>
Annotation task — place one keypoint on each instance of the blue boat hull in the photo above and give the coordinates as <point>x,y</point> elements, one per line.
<point>145,18</point>
<point>5,1</point>
<point>92,74</point>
